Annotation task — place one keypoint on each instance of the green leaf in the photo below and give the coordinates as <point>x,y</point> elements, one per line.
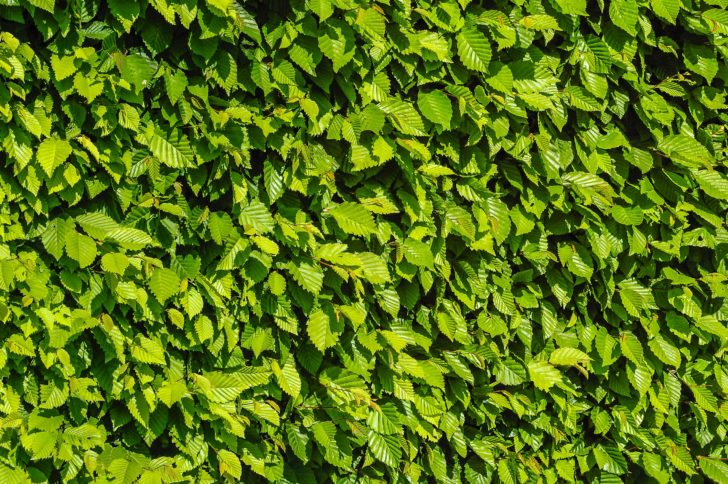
<point>88,87</point>
<point>41,445</point>
<point>624,14</point>
<point>54,237</point>
<point>417,253</point>
<point>19,345</point>
<point>666,9</point>
<point>319,330</point>
<point>130,238</point>
<point>171,392</point>
<point>222,387</point>
<point>702,60</point>
<point>686,151</point>
<point>374,268</point>
<point>712,183</point>
<point>627,215</point>
<point>632,348</point>
<point>322,8</point>
<point>460,241</point>
<point>474,49</point>
<point>115,263</point>
<point>510,372</point>
<point>173,150</point>
<point>52,153</point>
<point>287,376</point>
<point>714,469</point>
<point>138,70</point>
<point>308,276</point>
<point>581,99</point>
<point>717,18</point>
<point>175,85</point>
<point>572,7</point>
<point>635,297</point>
<point>220,7</point>
<point>257,216</point>
<point>337,43</point>
<point>98,225</point>
<point>385,448</point>
<point>148,350</point>
<point>125,12</point>
<point>665,351</point>
<point>404,117</point>
<point>63,67</point>
<point>220,225</point>
<point>610,459</point>
<point>705,398</point>
<point>300,442</point>
<point>498,216</point>
<point>540,22</point>
<point>229,464</point>
<point>436,107</point>
<point>129,117</point>
<point>29,121</point>
<point>47,5</point>
<point>277,283</point>
<point>543,375</point>
<point>80,248</point>
<point>353,218</point>
<point>568,357</point>
<point>164,283</point>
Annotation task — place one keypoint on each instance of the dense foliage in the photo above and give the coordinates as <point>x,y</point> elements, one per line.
<point>363,241</point>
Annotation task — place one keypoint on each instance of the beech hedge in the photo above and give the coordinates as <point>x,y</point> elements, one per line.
<point>363,241</point>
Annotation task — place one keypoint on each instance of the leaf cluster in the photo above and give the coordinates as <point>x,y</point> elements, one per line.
<point>363,241</point>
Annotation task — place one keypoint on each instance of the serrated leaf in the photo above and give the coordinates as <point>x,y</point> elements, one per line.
<point>385,448</point>
<point>276,283</point>
<point>404,117</point>
<point>701,60</point>
<point>220,225</point>
<point>474,49</point>
<point>627,215</point>
<point>257,216</point>
<point>666,9</point>
<point>353,218</point>
<point>568,356</point>
<point>171,392</point>
<point>543,375</point>
<point>299,441</point>
<point>229,464</point>
<point>148,350</point>
<point>80,248</point>
<point>115,263</point>
<point>130,238</point>
<point>665,351</point>
<point>435,106</point>
<point>52,153</point>
<point>624,14</point>
<point>63,67</point>
<point>417,253</point>
<point>337,43</point>
<point>712,183</point>
<point>572,7</point>
<point>171,149</point>
<point>319,330</point>
<point>137,69</point>
<point>54,237</point>
<point>164,283</point>
<point>308,276</point>
<point>288,378</point>
<point>714,469</point>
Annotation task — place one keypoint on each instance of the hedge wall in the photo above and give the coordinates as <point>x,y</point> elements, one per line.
<point>363,241</point>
